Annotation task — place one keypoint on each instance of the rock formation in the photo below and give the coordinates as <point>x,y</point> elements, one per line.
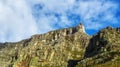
<point>67,47</point>
<point>103,49</point>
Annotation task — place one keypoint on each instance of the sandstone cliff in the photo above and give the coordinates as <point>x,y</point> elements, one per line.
<point>67,47</point>
<point>103,49</point>
<point>53,49</point>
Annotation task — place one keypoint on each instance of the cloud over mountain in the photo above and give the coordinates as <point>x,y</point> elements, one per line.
<point>20,19</point>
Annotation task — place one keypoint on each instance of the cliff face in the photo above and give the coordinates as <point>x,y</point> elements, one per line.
<point>53,49</point>
<point>103,49</point>
<point>67,47</point>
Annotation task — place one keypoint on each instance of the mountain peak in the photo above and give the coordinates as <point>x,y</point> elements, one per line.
<point>81,28</point>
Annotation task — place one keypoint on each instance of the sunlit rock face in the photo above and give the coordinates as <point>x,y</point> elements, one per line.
<point>52,49</point>
<point>67,47</point>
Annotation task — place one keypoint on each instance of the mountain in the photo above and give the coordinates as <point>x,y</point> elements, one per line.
<point>69,47</point>
<point>103,49</point>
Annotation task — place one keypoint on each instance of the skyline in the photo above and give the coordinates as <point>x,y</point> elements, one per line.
<point>23,18</point>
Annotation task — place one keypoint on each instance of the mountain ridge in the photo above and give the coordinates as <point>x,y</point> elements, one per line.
<point>67,47</point>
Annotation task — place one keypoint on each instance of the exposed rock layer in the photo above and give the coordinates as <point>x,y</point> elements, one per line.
<point>103,49</point>
<point>53,49</point>
<point>67,47</point>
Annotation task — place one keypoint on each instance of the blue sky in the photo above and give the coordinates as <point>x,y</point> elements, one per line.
<point>19,19</point>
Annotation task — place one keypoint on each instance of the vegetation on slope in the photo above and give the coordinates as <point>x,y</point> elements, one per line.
<point>103,49</point>
<point>68,47</point>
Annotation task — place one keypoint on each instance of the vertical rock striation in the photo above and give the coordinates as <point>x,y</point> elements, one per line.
<point>67,47</point>
<point>52,49</point>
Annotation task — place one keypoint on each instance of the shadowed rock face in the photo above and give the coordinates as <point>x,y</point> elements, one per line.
<point>72,63</point>
<point>105,40</point>
<point>67,47</point>
<point>103,49</point>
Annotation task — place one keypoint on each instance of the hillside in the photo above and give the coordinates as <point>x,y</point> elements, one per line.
<point>103,49</point>
<point>67,47</point>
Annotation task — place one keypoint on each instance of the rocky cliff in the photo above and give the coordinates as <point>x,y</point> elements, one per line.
<point>53,49</point>
<point>103,49</point>
<point>67,47</point>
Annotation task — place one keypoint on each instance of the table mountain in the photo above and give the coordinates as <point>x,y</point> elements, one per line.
<point>67,47</point>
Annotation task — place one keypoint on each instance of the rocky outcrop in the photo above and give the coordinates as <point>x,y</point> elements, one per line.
<point>52,49</point>
<point>103,49</point>
<point>67,47</point>
<point>106,40</point>
<point>59,33</point>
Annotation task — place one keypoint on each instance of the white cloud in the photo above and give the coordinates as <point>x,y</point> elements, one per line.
<point>89,11</point>
<point>20,19</point>
<point>16,21</point>
<point>93,10</point>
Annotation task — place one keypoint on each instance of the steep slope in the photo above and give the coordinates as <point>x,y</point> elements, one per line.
<point>9,52</point>
<point>69,47</point>
<point>53,49</point>
<point>103,49</point>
